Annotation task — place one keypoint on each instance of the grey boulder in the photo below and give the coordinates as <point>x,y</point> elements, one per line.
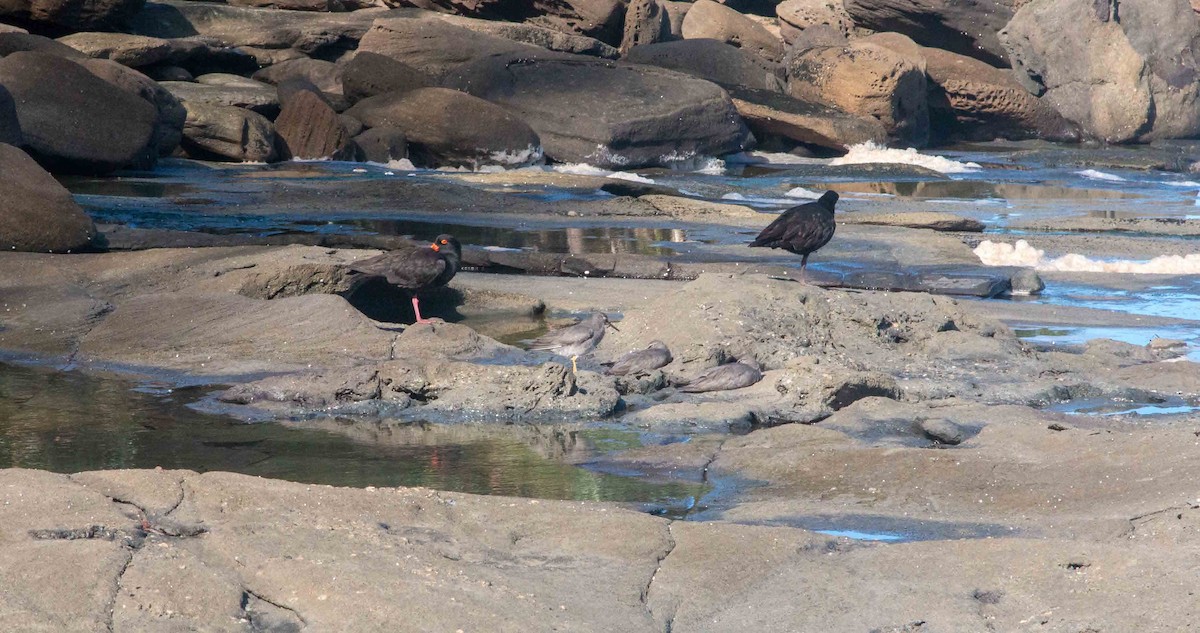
<point>713,60</point>
<point>711,20</point>
<point>228,133</point>
<point>966,27</point>
<point>38,213</point>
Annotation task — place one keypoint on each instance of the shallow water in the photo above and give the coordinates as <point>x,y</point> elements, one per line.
<point>68,422</point>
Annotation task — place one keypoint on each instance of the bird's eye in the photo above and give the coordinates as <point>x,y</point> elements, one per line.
<point>445,241</point>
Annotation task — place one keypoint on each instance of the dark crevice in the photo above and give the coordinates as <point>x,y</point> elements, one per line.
<point>112,601</point>
<point>669,622</point>
<point>277,605</point>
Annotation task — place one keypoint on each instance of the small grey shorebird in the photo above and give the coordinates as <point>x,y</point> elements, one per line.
<point>801,229</point>
<point>416,268</point>
<point>655,355</point>
<point>576,340</point>
<point>742,373</point>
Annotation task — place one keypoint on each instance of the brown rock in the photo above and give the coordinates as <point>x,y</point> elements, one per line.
<point>290,5</point>
<point>309,128</point>
<point>798,15</point>
<point>708,19</point>
<point>527,33</point>
<point>128,50</point>
<point>326,76</point>
<point>448,127</point>
<point>38,214</point>
<point>10,127</point>
<point>601,19</point>
<point>119,129</point>
<point>370,74</point>
<point>771,114</point>
<point>713,60</point>
<point>868,80</point>
<point>82,15</point>
<point>227,132</point>
<point>381,145</point>
<point>433,46</point>
<point>966,27</point>
<point>168,128</point>
<point>646,22</point>
<point>13,42</point>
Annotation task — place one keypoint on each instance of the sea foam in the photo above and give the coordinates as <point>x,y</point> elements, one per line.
<point>1024,254</point>
<point>869,152</point>
<point>1100,175</point>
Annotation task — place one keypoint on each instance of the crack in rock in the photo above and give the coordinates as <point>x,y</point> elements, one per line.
<point>116,591</point>
<point>645,595</point>
<point>265,621</point>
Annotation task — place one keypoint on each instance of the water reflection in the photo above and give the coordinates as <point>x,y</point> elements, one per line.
<point>573,240</point>
<point>67,422</point>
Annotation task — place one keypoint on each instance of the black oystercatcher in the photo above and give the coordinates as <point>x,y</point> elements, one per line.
<point>576,340</point>
<point>743,373</point>
<point>654,356</point>
<point>416,268</point>
<point>801,229</point>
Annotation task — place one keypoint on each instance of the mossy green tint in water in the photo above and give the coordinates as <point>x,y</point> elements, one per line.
<point>68,422</point>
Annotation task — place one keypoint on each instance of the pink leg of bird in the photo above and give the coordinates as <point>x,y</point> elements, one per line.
<point>417,311</point>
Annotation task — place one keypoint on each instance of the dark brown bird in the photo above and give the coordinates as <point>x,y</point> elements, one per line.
<point>743,373</point>
<point>801,229</point>
<point>416,268</point>
<point>654,356</point>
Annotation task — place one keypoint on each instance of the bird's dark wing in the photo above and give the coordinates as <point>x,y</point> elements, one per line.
<point>406,268</point>
<point>725,377</point>
<point>776,232</point>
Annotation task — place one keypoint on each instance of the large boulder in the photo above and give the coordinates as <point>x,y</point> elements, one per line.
<point>434,46</point>
<point>75,122</point>
<point>16,42</point>
<point>369,74</point>
<point>1126,77</point>
<point>82,15</point>
<point>609,114</point>
<point>646,22</point>
<point>38,214</point>
<point>966,27</point>
<point>450,128</point>
<point>312,33</point>
<point>10,126</point>
<point>228,133</point>
<point>711,20</point>
<point>797,15</point>
<point>601,19</point>
<point>866,79</point>
<point>970,100</point>
<point>308,128</point>
<point>773,116</point>
<point>526,33</point>
<point>290,5</point>
<point>168,128</point>
<point>327,76</point>
<point>381,145</point>
<point>129,50</point>
<point>238,92</point>
<point>713,60</point>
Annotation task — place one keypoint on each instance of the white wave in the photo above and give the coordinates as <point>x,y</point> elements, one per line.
<point>584,169</point>
<point>869,152</point>
<point>1024,254</point>
<point>779,158</point>
<point>801,192</point>
<point>757,201</point>
<point>531,155</point>
<point>1100,175</point>
<point>1184,183</point>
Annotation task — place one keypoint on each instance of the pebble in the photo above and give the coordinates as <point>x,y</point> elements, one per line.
<point>1027,282</point>
<point>943,430</point>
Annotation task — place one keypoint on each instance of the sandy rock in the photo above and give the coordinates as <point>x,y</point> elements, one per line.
<point>933,220</point>
<point>369,74</point>
<point>308,128</point>
<point>168,129</point>
<point>450,128</point>
<point>676,12</point>
<point>528,33</point>
<point>971,100</point>
<point>710,20</point>
<point>8,28</point>
<point>771,115</point>
<point>166,72</point>
<point>433,46</point>
<point>10,127</point>
<point>82,16</point>
<point>867,80</point>
<point>326,76</point>
<point>713,60</point>
<point>1130,82</point>
<point>1027,282</point>
<point>650,116</point>
<point>967,28</point>
<point>382,145</point>
<point>120,132</point>
<point>251,95</point>
<point>796,16</point>
<point>724,417</point>
<point>228,133</point>
<point>39,214</point>
<point>129,50</point>
<point>646,22</point>
<point>600,19</point>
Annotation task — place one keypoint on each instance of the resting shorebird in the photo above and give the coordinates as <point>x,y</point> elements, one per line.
<point>743,373</point>
<point>574,340</point>
<point>801,229</point>
<point>654,356</point>
<point>416,268</point>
